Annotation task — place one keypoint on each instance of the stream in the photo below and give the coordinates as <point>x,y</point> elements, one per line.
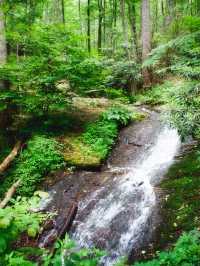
<point>117,206</point>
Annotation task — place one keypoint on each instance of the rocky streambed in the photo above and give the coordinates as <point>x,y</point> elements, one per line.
<point>116,208</point>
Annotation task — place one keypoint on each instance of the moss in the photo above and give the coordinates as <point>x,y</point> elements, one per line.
<point>181,208</point>
<point>78,153</point>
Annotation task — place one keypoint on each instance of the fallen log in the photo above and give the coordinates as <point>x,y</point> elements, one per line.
<point>7,161</point>
<point>70,218</point>
<point>9,194</point>
<point>60,225</point>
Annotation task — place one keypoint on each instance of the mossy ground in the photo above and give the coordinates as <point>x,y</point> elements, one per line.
<point>181,204</point>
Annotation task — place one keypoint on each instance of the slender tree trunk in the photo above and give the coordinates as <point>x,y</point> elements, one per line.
<point>146,38</point>
<point>170,12</point>
<point>63,10</point>
<point>198,7</point>
<point>104,22</point>
<point>115,24</point>
<point>132,19</point>
<point>80,17</point>
<point>4,116</point>
<point>124,28</point>
<point>88,27</point>
<point>99,41</point>
<point>3,50</point>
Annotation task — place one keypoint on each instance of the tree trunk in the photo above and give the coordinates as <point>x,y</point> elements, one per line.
<point>3,50</point>
<point>99,41</point>
<point>63,11</point>
<point>124,28</point>
<point>170,12</point>
<point>198,7</point>
<point>146,38</point>
<point>4,117</point>
<point>132,19</point>
<point>104,22</point>
<point>88,27</point>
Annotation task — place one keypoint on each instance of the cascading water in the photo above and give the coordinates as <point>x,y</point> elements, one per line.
<point>117,216</point>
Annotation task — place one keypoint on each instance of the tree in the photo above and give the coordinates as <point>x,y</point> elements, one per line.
<point>132,20</point>
<point>3,59</point>
<point>3,50</point>
<point>88,27</point>
<point>63,11</point>
<point>124,28</point>
<point>146,38</point>
<point>100,21</point>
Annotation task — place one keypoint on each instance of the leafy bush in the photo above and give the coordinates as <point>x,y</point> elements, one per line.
<point>118,114</point>
<point>185,252</point>
<point>41,156</point>
<point>185,104</point>
<point>18,218</point>
<point>101,135</point>
<point>179,56</point>
<point>123,74</point>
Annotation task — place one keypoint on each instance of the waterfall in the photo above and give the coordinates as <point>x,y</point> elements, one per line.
<point>120,217</point>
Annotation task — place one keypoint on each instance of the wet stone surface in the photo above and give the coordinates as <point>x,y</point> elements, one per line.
<point>117,205</point>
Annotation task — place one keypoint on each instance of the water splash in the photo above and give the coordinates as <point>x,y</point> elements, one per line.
<point>118,221</point>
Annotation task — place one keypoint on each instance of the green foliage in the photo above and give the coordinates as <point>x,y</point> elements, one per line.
<point>157,95</point>
<point>87,76</point>
<point>185,104</point>
<point>122,74</point>
<point>67,252</point>
<point>180,56</point>
<point>18,218</point>
<point>101,135</point>
<point>41,156</point>
<point>185,252</point>
<point>117,114</point>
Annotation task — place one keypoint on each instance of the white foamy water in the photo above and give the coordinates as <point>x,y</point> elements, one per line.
<point>121,214</point>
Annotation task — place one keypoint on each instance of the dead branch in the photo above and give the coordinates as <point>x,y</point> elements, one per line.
<point>7,161</point>
<point>9,194</point>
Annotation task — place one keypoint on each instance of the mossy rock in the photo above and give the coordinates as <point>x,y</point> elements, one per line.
<point>79,154</point>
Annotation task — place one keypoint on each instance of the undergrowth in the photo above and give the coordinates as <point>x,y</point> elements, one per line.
<point>41,156</point>
<point>185,253</point>
<point>101,135</point>
<point>16,219</point>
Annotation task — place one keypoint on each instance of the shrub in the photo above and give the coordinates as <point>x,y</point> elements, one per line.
<point>101,135</point>
<point>180,56</point>
<point>18,218</point>
<point>41,156</point>
<point>185,252</point>
<point>117,114</point>
<point>122,74</point>
<point>185,105</point>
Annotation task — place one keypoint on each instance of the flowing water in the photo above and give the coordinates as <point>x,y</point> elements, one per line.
<point>120,217</point>
<point>117,208</point>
